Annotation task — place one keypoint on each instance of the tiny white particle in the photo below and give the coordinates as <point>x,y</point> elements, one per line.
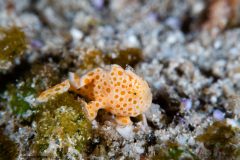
<point>76,34</point>
<point>218,115</point>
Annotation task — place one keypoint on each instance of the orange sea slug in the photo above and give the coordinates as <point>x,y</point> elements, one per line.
<point>120,92</point>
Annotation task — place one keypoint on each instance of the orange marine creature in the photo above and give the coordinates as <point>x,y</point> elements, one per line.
<point>120,92</point>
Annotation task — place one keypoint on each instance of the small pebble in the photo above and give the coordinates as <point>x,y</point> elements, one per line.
<point>182,121</point>
<point>76,34</point>
<point>218,115</point>
<point>98,4</point>
<point>37,43</point>
<point>153,17</point>
<point>187,103</point>
<point>173,22</point>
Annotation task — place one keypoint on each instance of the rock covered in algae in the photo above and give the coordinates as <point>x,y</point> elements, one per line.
<point>62,127</point>
<point>171,150</point>
<point>221,140</point>
<point>21,95</point>
<point>89,59</point>
<point>129,56</point>
<point>12,44</point>
<point>8,149</point>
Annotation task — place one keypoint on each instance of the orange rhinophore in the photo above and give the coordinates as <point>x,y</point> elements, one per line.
<point>120,92</point>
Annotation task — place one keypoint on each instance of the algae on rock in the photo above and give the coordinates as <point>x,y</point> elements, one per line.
<point>172,150</point>
<point>21,95</point>
<point>89,59</point>
<point>12,44</point>
<point>123,57</point>
<point>221,138</point>
<point>8,149</point>
<point>62,127</point>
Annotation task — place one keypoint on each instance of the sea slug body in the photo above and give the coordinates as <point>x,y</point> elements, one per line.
<point>120,92</point>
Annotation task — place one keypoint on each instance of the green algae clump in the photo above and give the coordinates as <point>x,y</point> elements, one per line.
<point>8,149</point>
<point>18,104</point>
<point>21,95</point>
<point>12,44</point>
<point>62,127</point>
<point>221,138</point>
<point>171,150</point>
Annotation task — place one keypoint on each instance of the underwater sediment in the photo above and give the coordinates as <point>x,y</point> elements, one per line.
<point>190,62</point>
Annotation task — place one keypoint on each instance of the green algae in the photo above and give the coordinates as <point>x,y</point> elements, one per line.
<point>8,149</point>
<point>17,102</point>
<point>12,44</point>
<point>29,86</point>
<point>172,150</point>
<point>63,120</point>
<point>220,137</point>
